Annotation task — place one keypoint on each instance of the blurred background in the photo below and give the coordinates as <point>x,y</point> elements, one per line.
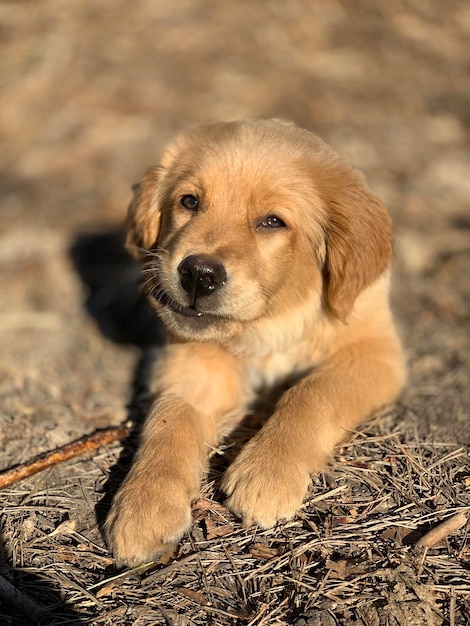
<point>91,92</point>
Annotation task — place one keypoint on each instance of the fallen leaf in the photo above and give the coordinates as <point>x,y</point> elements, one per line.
<point>213,530</point>
<point>105,590</point>
<point>193,595</point>
<point>340,520</point>
<point>261,551</point>
<point>337,567</point>
<point>65,528</point>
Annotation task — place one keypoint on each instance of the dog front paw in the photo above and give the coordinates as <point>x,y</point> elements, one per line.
<point>263,487</point>
<point>146,520</point>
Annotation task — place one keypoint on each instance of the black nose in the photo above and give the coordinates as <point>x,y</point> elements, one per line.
<point>200,276</point>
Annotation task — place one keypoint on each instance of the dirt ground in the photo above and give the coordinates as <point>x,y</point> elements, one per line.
<point>90,93</point>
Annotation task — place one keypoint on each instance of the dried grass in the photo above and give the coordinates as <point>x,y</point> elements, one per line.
<point>349,557</point>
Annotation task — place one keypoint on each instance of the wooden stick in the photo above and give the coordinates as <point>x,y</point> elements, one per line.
<point>442,530</point>
<point>48,459</point>
<point>23,603</point>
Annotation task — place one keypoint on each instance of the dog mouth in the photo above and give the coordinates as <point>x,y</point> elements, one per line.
<point>186,311</point>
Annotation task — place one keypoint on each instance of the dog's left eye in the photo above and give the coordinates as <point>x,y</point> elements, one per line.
<point>189,202</point>
<point>272,221</point>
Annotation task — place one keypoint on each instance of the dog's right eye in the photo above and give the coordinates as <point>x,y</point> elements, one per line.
<point>189,202</point>
<point>272,221</point>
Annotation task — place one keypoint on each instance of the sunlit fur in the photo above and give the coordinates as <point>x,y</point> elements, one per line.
<point>309,299</point>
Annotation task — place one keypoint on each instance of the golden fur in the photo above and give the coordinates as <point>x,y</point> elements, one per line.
<point>305,297</point>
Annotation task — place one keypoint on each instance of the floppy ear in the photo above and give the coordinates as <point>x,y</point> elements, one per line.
<point>143,216</point>
<point>358,242</point>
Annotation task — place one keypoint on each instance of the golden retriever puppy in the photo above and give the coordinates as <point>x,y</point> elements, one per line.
<point>267,258</point>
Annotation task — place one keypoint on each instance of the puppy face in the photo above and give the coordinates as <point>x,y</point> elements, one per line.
<point>247,220</point>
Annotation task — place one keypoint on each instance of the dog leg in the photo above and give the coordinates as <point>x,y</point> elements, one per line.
<point>269,479</point>
<point>152,509</point>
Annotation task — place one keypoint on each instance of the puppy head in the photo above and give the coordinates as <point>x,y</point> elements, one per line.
<point>250,220</point>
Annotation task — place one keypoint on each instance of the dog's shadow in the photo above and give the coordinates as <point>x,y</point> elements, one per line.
<point>113,299</point>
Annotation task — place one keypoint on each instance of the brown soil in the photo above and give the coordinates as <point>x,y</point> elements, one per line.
<point>90,93</point>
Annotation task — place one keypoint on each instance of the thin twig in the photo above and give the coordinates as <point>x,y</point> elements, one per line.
<point>442,530</point>
<point>175,566</point>
<point>76,448</point>
<point>154,576</point>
